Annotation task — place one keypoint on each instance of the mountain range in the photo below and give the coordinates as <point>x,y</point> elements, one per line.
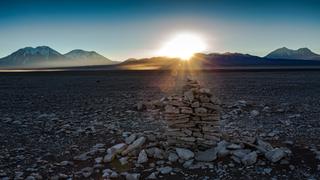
<point>285,53</point>
<point>44,56</point>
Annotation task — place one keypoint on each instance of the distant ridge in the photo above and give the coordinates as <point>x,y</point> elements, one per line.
<point>31,56</point>
<point>44,56</point>
<point>91,57</point>
<point>285,53</point>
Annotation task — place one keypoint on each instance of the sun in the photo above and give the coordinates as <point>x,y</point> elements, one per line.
<point>183,46</point>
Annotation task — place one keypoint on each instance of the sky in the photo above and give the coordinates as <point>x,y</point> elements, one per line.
<point>122,29</point>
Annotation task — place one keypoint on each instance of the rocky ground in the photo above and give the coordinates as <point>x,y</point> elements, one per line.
<point>63,125</point>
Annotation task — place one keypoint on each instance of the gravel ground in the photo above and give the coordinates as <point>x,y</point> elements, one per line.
<point>50,117</point>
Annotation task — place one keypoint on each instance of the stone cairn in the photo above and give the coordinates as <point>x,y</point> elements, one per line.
<point>193,118</point>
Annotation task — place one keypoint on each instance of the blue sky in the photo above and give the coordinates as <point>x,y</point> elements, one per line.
<point>120,29</point>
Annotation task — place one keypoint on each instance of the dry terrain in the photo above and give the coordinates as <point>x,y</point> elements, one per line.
<point>48,119</point>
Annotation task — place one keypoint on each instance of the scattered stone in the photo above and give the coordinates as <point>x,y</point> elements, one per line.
<point>123,160</point>
<point>108,158</point>
<point>87,172</point>
<point>114,175</point>
<point>173,157</point>
<point>234,146</point>
<point>188,163</point>
<point>184,154</point>
<point>136,144</point>
<point>267,170</point>
<point>131,138</point>
<point>134,176</point>
<point>250,158</point>
<point>207,156</point>
<point>165,170</point>
<point>143,157</point>
<point>275,155</point>
<point>98,160</point>
<point>254,113</point>
<point>117,149</point>
<point>152,176</point>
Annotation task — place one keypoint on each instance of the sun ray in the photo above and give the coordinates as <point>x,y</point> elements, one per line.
<point>183,46</point>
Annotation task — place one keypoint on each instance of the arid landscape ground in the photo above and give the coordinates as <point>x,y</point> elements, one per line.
<point>48,119</point>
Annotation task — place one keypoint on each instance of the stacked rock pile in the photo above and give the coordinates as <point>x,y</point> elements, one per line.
<point>193,118</point>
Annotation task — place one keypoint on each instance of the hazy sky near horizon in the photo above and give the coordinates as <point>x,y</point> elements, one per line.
<point>120,29</point>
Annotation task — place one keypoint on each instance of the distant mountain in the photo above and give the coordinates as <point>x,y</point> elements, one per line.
<point>30,56</point>
<point>285,53</point>
<point>44,56</point>
<point>202,61</point>
<point>89,57</point>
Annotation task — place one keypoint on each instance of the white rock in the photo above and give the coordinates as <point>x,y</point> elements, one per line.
<point>250,158</point>
<point>165,170</point>
<point>114,175</point>
<point>98,160</point>
<point>136,144</point>
<point>131,138</point>
<point>267,170</point>
<point>158,153</point>
<point>118,148</point>
<point>108,158</point>
<point>87,171</point>
<point>152,176</point>
<point>188,163</point>
<point>173,157</point>
<point>184,154</point>
<point>263,146</point>
<point>222,149</point>
<point>275,155</point>
<point>143,157</point>
<point>254,113</point>
<point>123,160</point>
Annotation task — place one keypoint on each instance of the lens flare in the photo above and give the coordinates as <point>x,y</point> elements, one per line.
<point>183,46</point>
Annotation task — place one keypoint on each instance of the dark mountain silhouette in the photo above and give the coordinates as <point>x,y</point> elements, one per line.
<point>285,53</point>
<point>214,61</point>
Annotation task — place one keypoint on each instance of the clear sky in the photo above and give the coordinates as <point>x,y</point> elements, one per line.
<point>120,29</point>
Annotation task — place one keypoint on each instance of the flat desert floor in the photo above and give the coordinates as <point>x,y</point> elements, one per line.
<point>48,118</point>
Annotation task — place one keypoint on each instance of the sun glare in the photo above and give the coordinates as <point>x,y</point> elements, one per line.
<point>183,46</point>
